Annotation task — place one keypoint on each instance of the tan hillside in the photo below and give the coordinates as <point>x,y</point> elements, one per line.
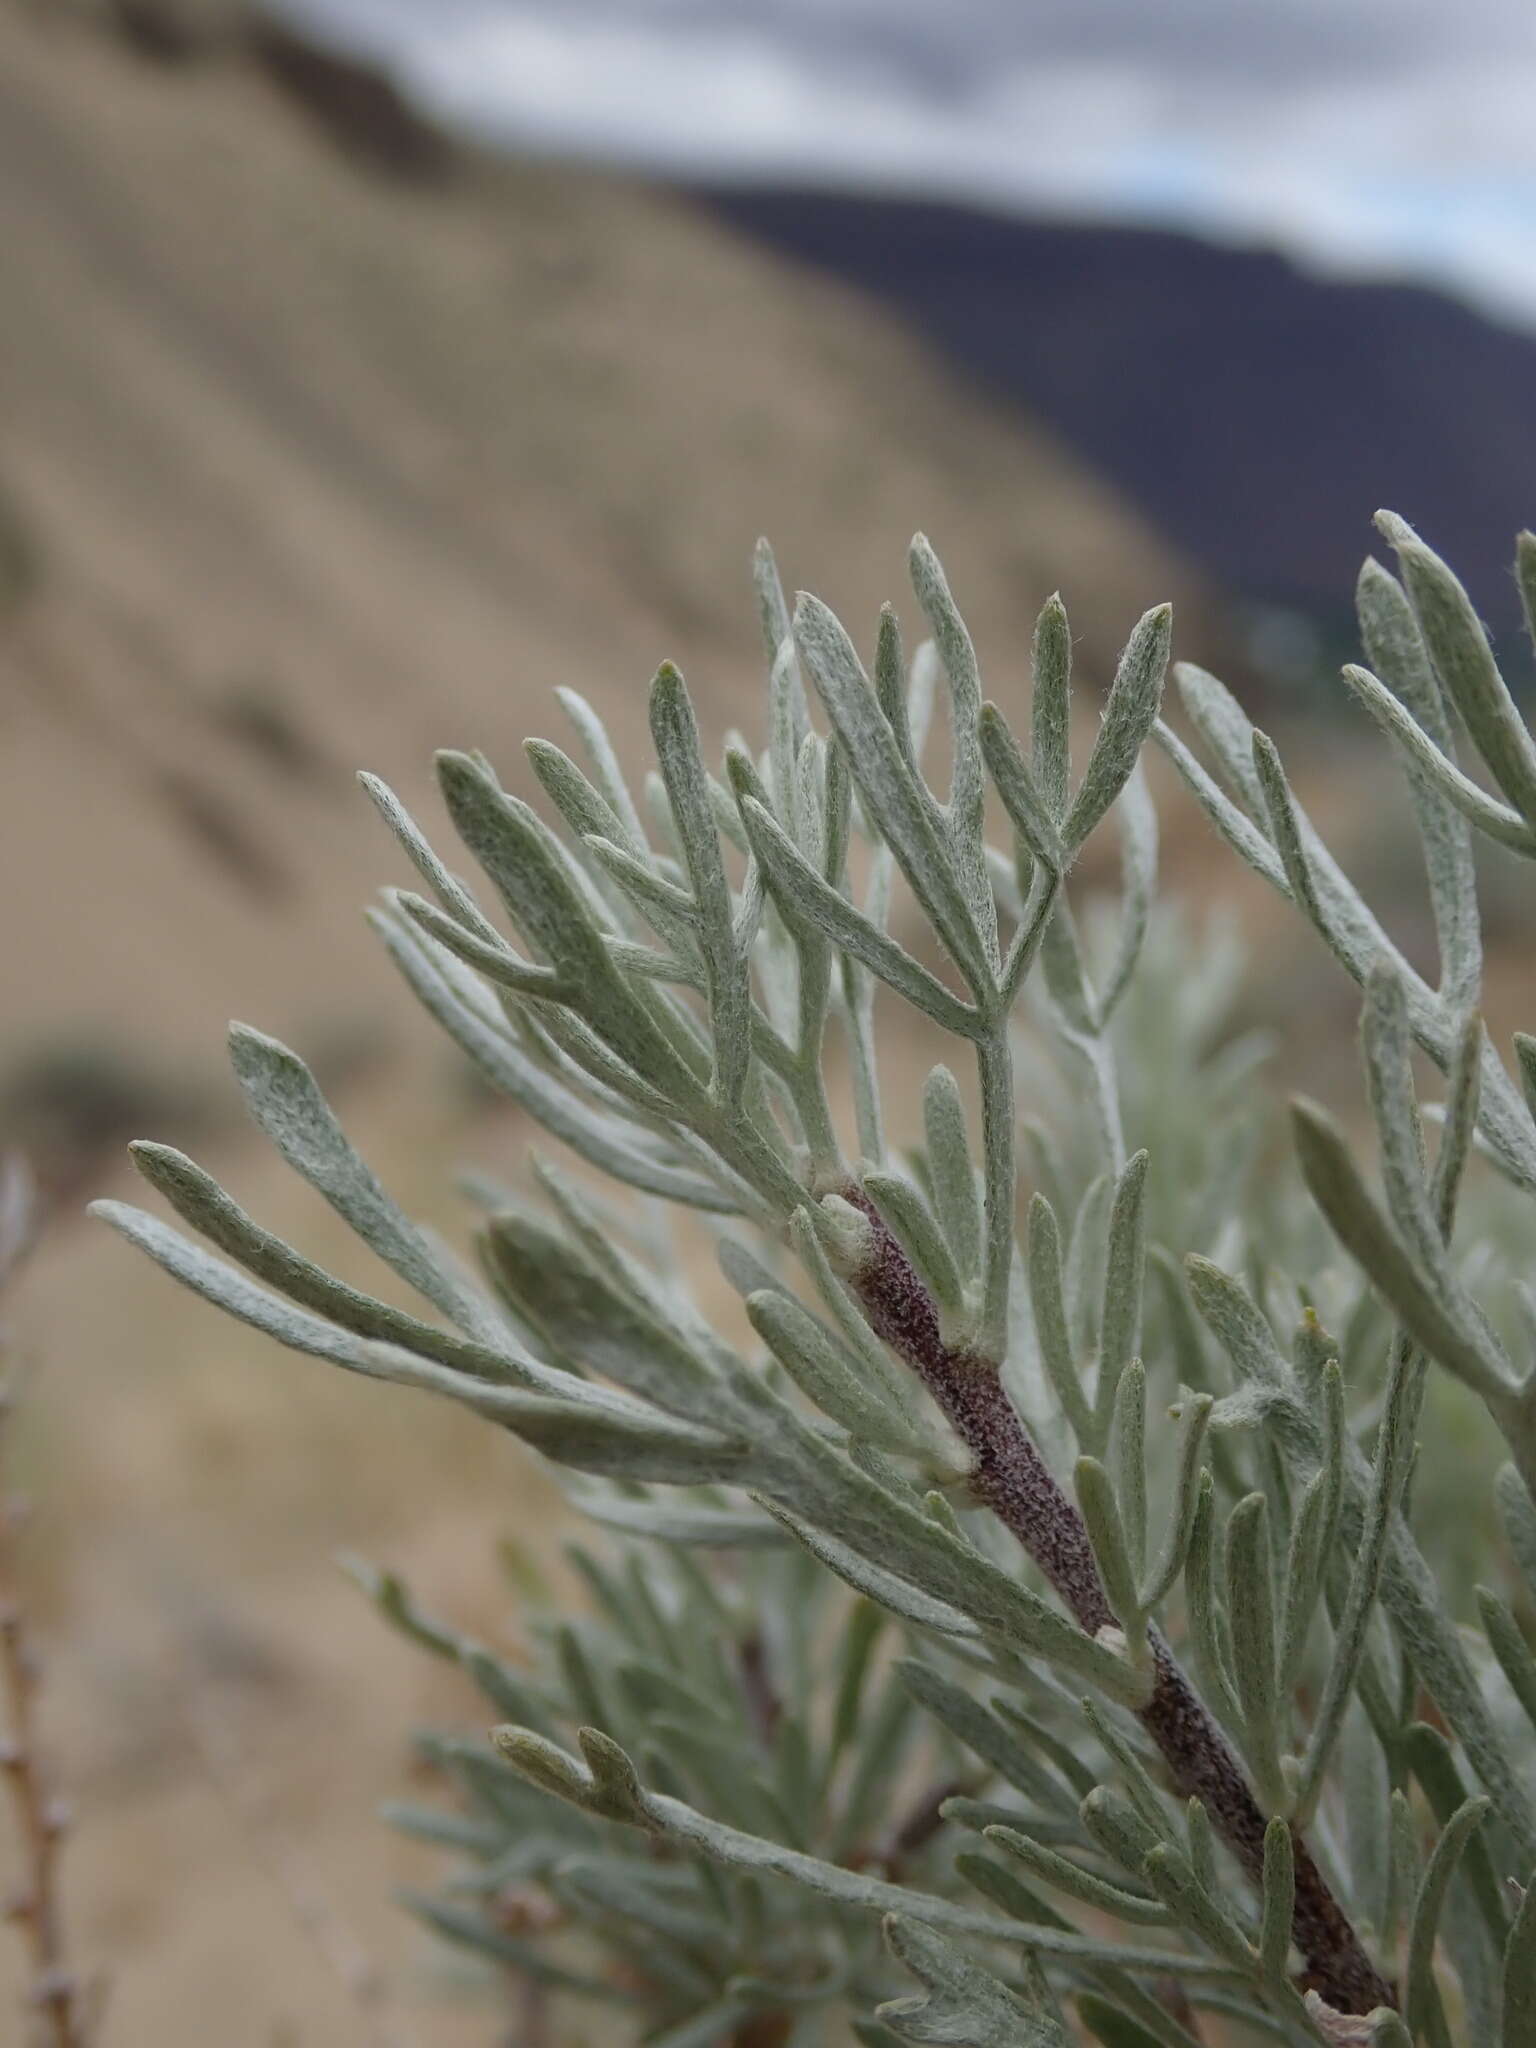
<point>312,465</point>
<point>323,445</point>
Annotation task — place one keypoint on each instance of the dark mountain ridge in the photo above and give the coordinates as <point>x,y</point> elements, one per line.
<point>1257,412</point>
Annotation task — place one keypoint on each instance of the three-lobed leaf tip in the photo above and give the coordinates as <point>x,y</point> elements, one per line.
<point>1395,530</point>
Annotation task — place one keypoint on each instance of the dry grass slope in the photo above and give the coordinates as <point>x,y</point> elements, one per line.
<point>305,464</point>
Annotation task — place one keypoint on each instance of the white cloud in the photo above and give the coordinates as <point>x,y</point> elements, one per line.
<point>1390,135</point>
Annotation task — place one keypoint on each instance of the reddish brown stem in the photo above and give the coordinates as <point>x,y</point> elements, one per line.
<point>55,1996</point>
<point>39,1821</point>
<point>1009,1476</point>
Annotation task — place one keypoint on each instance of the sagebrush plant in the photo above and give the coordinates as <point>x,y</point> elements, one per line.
<point>855,1651</point>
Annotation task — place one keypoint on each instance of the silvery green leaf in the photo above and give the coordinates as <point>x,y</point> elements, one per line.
<point>744,1269</point>
<point>1120,1829</point>
<point>953,1174</point>
<point>964,815</point>
<point>1446,801</point>
<point>698,1527</point>
<point>1244,837</point>
<point>1314,1531</point>
<point>1394,1106</point>
<point>663,824</point>
<point>888,787</point>
<point>468,1927</point>
<point>1129,2015</point>
<point>390,1595</point>
<point>1251,1615</point>
<point>229,1289</point>
<point>287,1103</point>
<point>1086,1256</point>
<point>1101,1517</point>
<point>892,697</point>
<point>1052,1330</point>
<point>1279,1901</point>
<point>1312,878</point>
<point>900,1202</point>
<point>1525,1052</point>
<point>604,763</point>
<point>1517,1515</point>
<point>442,1830</point>
<point>1201,1839</point>
<point>1464,661</point>
<point>603,1141</point>
<point>1476,1919</point>
<point>963,2003</point>
<point>1026,805</point>
<point>819,1484</point>
<point>803,894</point>
<point>837,813</point>
<point>541,896</point>
<point>773,612</point>
<point>561,1773</point>
<point>1059,1750</point>
<point>1138,880</point>
<point>1525,578</point>
<point>1226,729</point>
<point>891,1592</point>
<point>818,1366</point>
<point>1230,1313</point>
<point>628,1442</point>
<point>1194,1413</point>
<point>1434,769</point>
<point>1124,1280</point>
<point>1316,883</point>
<point>1133,1760</point>
<point>1468,1350</point>
<point>620,1888</point>
<point>448,889</point>
<point>704,2029</point>
<point>591,1322</point>
<point>1129,715</point>
<point>584,808</point>
<point>1458,1122</point>
<point>1065,975</point>
<point>650,963</point>
<point>1167,1871</point>
<point>1128,1435</point>
<point>979,1731</point>
<point>676,734</point>
<point>1114,2028</point>
<point>1509,1646</point>
<point>598,1232</point>
<point>908,703</point>
<point>1071,1879</point>
<point>199,1200</point>
<point>1423,2010</point>
<point>671,911</point>
<point>1037,917</point>
<point>507,1692</point>
<point>495,960</point>
<point>1051,705</point>
<point>1211,1666</point>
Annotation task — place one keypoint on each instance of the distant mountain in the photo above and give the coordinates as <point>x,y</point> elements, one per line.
<point>1257,413</point>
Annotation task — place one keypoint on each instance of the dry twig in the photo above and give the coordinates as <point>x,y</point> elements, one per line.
<point>54,1992</point>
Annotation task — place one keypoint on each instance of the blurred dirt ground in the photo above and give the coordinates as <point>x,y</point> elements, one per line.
<point>222,1708</point>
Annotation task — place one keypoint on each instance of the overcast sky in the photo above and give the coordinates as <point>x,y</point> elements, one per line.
<point>1396,136</point>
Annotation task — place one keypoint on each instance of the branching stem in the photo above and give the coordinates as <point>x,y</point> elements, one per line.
<point>1011,1478</point>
